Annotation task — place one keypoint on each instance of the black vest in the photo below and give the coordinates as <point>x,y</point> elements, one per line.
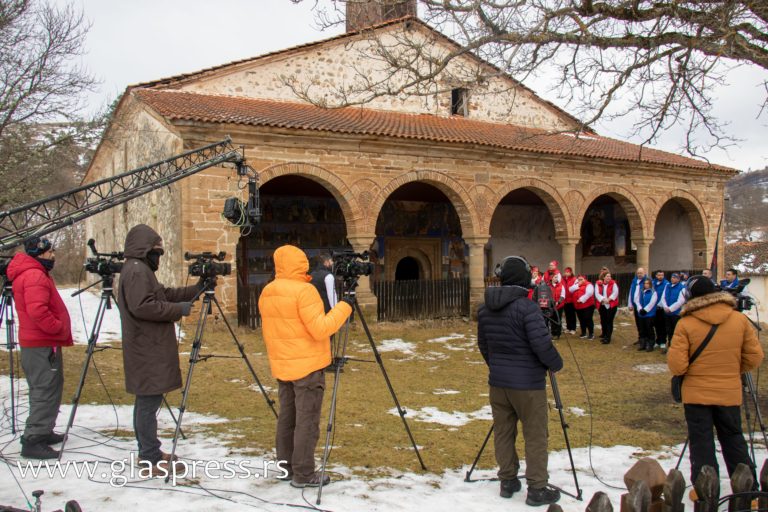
<point>318,279</point>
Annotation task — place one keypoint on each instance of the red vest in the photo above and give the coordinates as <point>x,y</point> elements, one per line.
<point>579,293</point>
<point>568,282</point>
<point>557,290</point>
<point>607,291</point>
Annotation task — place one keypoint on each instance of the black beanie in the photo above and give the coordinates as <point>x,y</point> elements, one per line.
<point>700,285</point>
<point>36,246</point>
<point>514,270</point>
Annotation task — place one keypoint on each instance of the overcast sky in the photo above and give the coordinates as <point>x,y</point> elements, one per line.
<point>140,40</point>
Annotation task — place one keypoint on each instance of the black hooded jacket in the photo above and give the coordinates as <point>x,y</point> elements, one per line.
<point>147,313</point>
<point>514,340</point>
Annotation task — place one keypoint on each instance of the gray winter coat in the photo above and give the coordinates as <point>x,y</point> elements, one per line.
<point>147,313</point>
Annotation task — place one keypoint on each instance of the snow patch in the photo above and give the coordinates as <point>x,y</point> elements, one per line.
<point>442,391</point>
<point>396,345</point>
<point>651,368</point>
<point>451,419</point>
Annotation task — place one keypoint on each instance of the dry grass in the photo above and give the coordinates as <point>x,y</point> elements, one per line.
<point>628,406</point>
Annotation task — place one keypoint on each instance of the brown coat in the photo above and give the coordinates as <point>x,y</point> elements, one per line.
<point>715,376</point>
<point>147,313</point>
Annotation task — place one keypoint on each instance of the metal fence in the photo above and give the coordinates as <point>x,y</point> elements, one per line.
<point>421,299</point>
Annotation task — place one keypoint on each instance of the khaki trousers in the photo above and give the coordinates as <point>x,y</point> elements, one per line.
<point>530,407</point>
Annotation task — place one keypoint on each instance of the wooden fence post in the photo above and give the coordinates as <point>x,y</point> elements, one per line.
<point>674,490</point>
<point>741,482</point>
<point>707,487</point>
<point>638,499</point>
<point>600,503</point>
<point>554,507</point>
<point>763,502</point>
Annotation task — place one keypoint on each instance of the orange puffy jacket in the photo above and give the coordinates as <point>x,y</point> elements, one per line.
<point>293,321</point>
<point>714,378</point>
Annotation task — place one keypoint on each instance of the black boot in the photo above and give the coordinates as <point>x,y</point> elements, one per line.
<point>643,344</point>
<point>35,447</point>
<point>543,496</point>
<point>650,346</point>
<point>54,438</point>
<point>509,487</point>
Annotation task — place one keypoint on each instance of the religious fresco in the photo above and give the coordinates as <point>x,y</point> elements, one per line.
<point>605,231</point>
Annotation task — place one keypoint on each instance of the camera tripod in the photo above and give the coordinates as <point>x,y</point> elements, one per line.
<point>339,360</point>
<point>107,297</point>
<point>6,309</point>
<point>563,424</point>
<point>209,299</point>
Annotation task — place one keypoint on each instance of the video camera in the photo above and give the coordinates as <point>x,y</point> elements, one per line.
<point>744,302</point>
<point>206,266</point>
<point>350,265</point>
<point>4,261</point>
<point>103,263</point>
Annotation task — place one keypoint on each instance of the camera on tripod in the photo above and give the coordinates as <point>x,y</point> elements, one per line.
<point>206,264</point>
<point>744,302</point>
<point>103,263</point>
<point>4,261</point>
<point>350,265</point>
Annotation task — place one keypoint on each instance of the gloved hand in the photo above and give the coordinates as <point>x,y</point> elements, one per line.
<point>643,311</point>
<point>186,308</point>
<point>349,298</point>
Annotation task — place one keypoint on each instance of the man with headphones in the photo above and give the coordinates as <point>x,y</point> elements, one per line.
<point>514,340</point>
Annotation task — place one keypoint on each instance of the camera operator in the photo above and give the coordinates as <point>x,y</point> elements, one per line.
<point>712,389</point>
<point>324,280</point>
<point>296,331</point>
<point>44,328</point>
<point>148,311</point>
<point>514,341</point>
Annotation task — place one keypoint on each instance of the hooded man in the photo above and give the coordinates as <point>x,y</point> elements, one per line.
<point>514,340</point>
<point>297,331</point>
<point>712,389</point>
<point>148,311</point>
<point>44,328</point>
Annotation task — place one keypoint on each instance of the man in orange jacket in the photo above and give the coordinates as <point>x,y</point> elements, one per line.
<point>296,331</point>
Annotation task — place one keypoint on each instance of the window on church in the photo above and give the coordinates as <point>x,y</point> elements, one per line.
<point>459,102</point>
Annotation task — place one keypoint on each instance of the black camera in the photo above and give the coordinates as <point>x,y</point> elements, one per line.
<point>4,266</point>
<point>103,263</point>
<point>350,265</point>
<point>206,264</point>
<point>744,302</point>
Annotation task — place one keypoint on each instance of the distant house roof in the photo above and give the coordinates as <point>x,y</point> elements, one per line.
<point>747,257</point>
<point>186,106</point>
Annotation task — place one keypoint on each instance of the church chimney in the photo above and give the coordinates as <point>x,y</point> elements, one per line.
<point>364,13</point>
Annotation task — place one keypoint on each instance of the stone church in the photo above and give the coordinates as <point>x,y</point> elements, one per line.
<point>437,187</point>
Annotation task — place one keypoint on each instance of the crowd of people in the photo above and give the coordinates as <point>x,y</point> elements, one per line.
<point>654,301</point>
<point>300,311</point>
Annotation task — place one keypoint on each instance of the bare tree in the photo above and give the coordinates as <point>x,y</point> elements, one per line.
<point>656,60</point>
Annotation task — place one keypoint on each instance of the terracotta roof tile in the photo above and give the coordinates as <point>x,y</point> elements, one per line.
<point>176,106</point>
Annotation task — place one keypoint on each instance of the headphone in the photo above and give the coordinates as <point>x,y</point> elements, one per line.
<point>689,286</point>
<point>499,266</point>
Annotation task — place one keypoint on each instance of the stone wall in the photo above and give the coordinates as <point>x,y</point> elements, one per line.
<point>322,71</point>
<point>138,138</point>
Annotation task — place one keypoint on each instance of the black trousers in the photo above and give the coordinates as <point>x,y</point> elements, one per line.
<point>671,323</point>
<point>586,322</point>
<point>570,316</point>
<point>606,321</point>
<point>726,421</point>
<point>646,329</point>
<point>145,426</point>
<point>660,324</point>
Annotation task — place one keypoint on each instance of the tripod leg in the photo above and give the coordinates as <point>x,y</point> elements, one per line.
<point>380,362</point>
<point>193,357</point>
<point>682,454</point>
<point>241,348</point>
<point>10,334</point>
<point>167,406</point>
<point>89,354</point>
<point>564,424</point>
<point>748,418</point>
<point>479,454</point>
<point>758,414</point>
<point>338,366</point>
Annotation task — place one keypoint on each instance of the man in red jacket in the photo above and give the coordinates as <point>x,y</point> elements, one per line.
<point>44,328</point>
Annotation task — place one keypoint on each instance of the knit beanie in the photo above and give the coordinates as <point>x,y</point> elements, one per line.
<point>514,270</point>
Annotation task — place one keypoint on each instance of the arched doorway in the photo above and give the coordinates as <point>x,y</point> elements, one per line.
<point>297,211</point>
<point>606,238</point>
<point>523,225</point>
<point>679,242</point>
<point>417,218</point>
<point>407,269</point>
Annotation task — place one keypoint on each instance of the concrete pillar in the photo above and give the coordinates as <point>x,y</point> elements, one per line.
<point>644,253</point>
<point>568,257</point>
<point>476,270</point>
<point>365,297</point>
